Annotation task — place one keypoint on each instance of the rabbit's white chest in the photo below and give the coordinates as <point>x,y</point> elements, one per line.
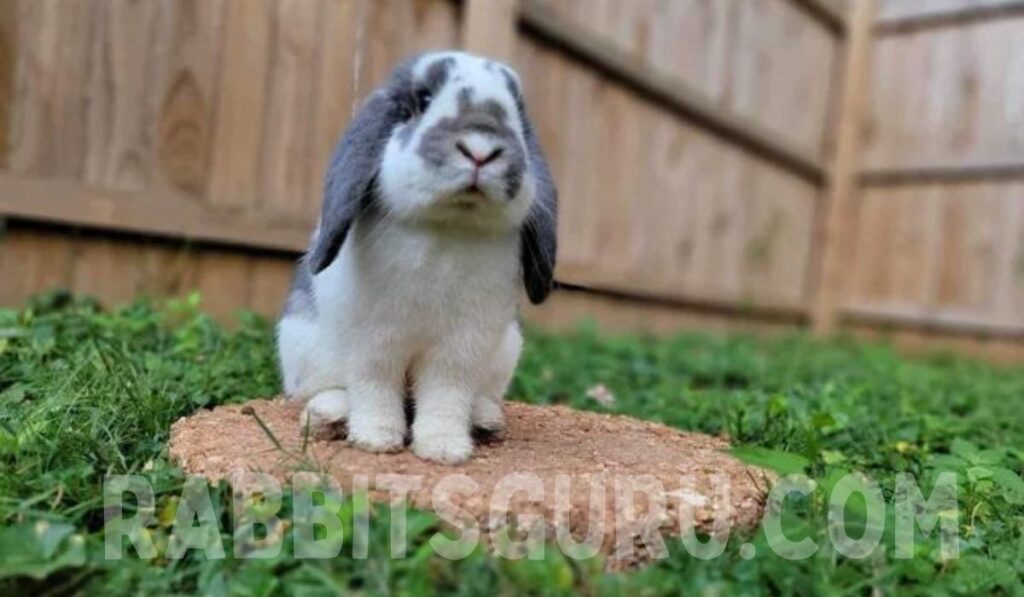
<point>408,289</point>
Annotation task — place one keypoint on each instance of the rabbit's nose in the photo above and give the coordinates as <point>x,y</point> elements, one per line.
<point>478,157</point>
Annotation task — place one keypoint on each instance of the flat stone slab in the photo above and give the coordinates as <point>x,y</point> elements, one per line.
<point>583,467</point>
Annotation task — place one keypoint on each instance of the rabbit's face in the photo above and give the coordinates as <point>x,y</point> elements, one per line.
<point>457,151</point>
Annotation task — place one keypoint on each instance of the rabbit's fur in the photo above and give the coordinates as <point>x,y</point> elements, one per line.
<point>438,209</point>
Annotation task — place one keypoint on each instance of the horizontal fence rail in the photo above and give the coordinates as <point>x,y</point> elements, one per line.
<point>915,16</point>
<point>163,214</point>
<point>931,173</point>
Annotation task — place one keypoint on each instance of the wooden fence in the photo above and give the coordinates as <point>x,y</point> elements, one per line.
<point>750,163</point>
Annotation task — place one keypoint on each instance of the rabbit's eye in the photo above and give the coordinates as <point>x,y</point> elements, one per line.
<point>423,98</point>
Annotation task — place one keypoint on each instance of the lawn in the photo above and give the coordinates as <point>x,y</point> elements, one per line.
<point>87,392</point>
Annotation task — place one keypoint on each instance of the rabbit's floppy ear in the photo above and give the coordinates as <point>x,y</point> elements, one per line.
<point>351,176</point>
<point>538,238</point>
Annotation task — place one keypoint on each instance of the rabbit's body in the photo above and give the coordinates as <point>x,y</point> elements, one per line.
<point>418,300</point>
<point>391,321</point>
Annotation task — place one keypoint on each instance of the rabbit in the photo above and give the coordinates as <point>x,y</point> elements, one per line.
<point>439,210</point>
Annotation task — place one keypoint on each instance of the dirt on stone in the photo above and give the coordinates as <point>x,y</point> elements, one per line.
<point>611,481</point>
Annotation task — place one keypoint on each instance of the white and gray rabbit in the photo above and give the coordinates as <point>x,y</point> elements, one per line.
<point>438,210</point>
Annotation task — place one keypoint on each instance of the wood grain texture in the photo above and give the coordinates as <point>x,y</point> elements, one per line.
<point>947,96</point>
<point>8,69</point>
<point>106,268</point>
<point>674,210</point>
<point>188,66</point>
<point>120,148</point>
<point>162,213</point>
<point>269,280</point>
<point>838,211</point>
<point>222,280</point>
<point>290,93</point>
<point>489,27</point>
<point>33,260</point>
<point>951,251</point>
<point>241,86</point>
<point>49,132</point>
<point>767,61</point>
<point>897,16</point>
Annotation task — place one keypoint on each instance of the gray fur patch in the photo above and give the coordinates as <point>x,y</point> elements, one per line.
<point>487,117</point>
<point>437,73</point>
<point>513,181</point>
<point>301,300</point>
<point>435,78</point>
<point>351,175</point>
<point>538,237</point>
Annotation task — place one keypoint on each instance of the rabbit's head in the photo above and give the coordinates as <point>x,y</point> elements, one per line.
<point>459,151</point>
<point>446,140</point>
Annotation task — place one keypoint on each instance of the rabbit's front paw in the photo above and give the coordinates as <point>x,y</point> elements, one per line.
<point>377,435</point>
<point>446,448</point>
<point>329,406</point>
<point>326,412</point>
<point>488,416</point>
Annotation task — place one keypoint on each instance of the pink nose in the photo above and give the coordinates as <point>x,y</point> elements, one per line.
<point>479,159</point>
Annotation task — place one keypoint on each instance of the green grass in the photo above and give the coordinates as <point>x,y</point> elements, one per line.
<point>85,393</point>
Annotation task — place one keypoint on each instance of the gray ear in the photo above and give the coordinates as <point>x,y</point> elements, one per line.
<point>351,176</point>
<point>538,238</point>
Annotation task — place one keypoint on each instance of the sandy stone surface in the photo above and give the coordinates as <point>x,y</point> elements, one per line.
<point>635,478</point>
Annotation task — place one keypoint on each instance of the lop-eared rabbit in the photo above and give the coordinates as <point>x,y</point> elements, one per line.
<point>438,210</point>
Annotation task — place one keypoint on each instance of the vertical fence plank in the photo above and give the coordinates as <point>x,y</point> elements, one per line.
<point>189,48</point>
<point>489,27</point>
<point>33,261</point>
<point>290,96</point>
<point>838,208</point>
<point>48,132</point>
<point>268,283</point>
<point>238,132</point>
<point>8,64</point>
<point>119,152</point>
<point>222,279</point>
<point>106,268</point>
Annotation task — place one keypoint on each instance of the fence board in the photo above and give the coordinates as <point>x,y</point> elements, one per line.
<point>222,279</point>
<point>782,71</point>
<point>106,268</point>
<point>837,216</point>
<point>8,67</point>
<point>948,96</point>
<point>32,261</point>
<point>269,279</point>
<point>158,213</point>
<point>897,15</point>
<point>288,120</point>
<point>186,68</point>
<point>122,63</point>
<point>48,134</point>
<point>238,130</point>
<point>938,249</point>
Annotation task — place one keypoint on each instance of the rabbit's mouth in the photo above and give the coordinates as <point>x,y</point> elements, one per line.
<point>469,199</point>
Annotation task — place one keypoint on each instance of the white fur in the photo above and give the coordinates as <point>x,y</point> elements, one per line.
<point>424,295</point>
